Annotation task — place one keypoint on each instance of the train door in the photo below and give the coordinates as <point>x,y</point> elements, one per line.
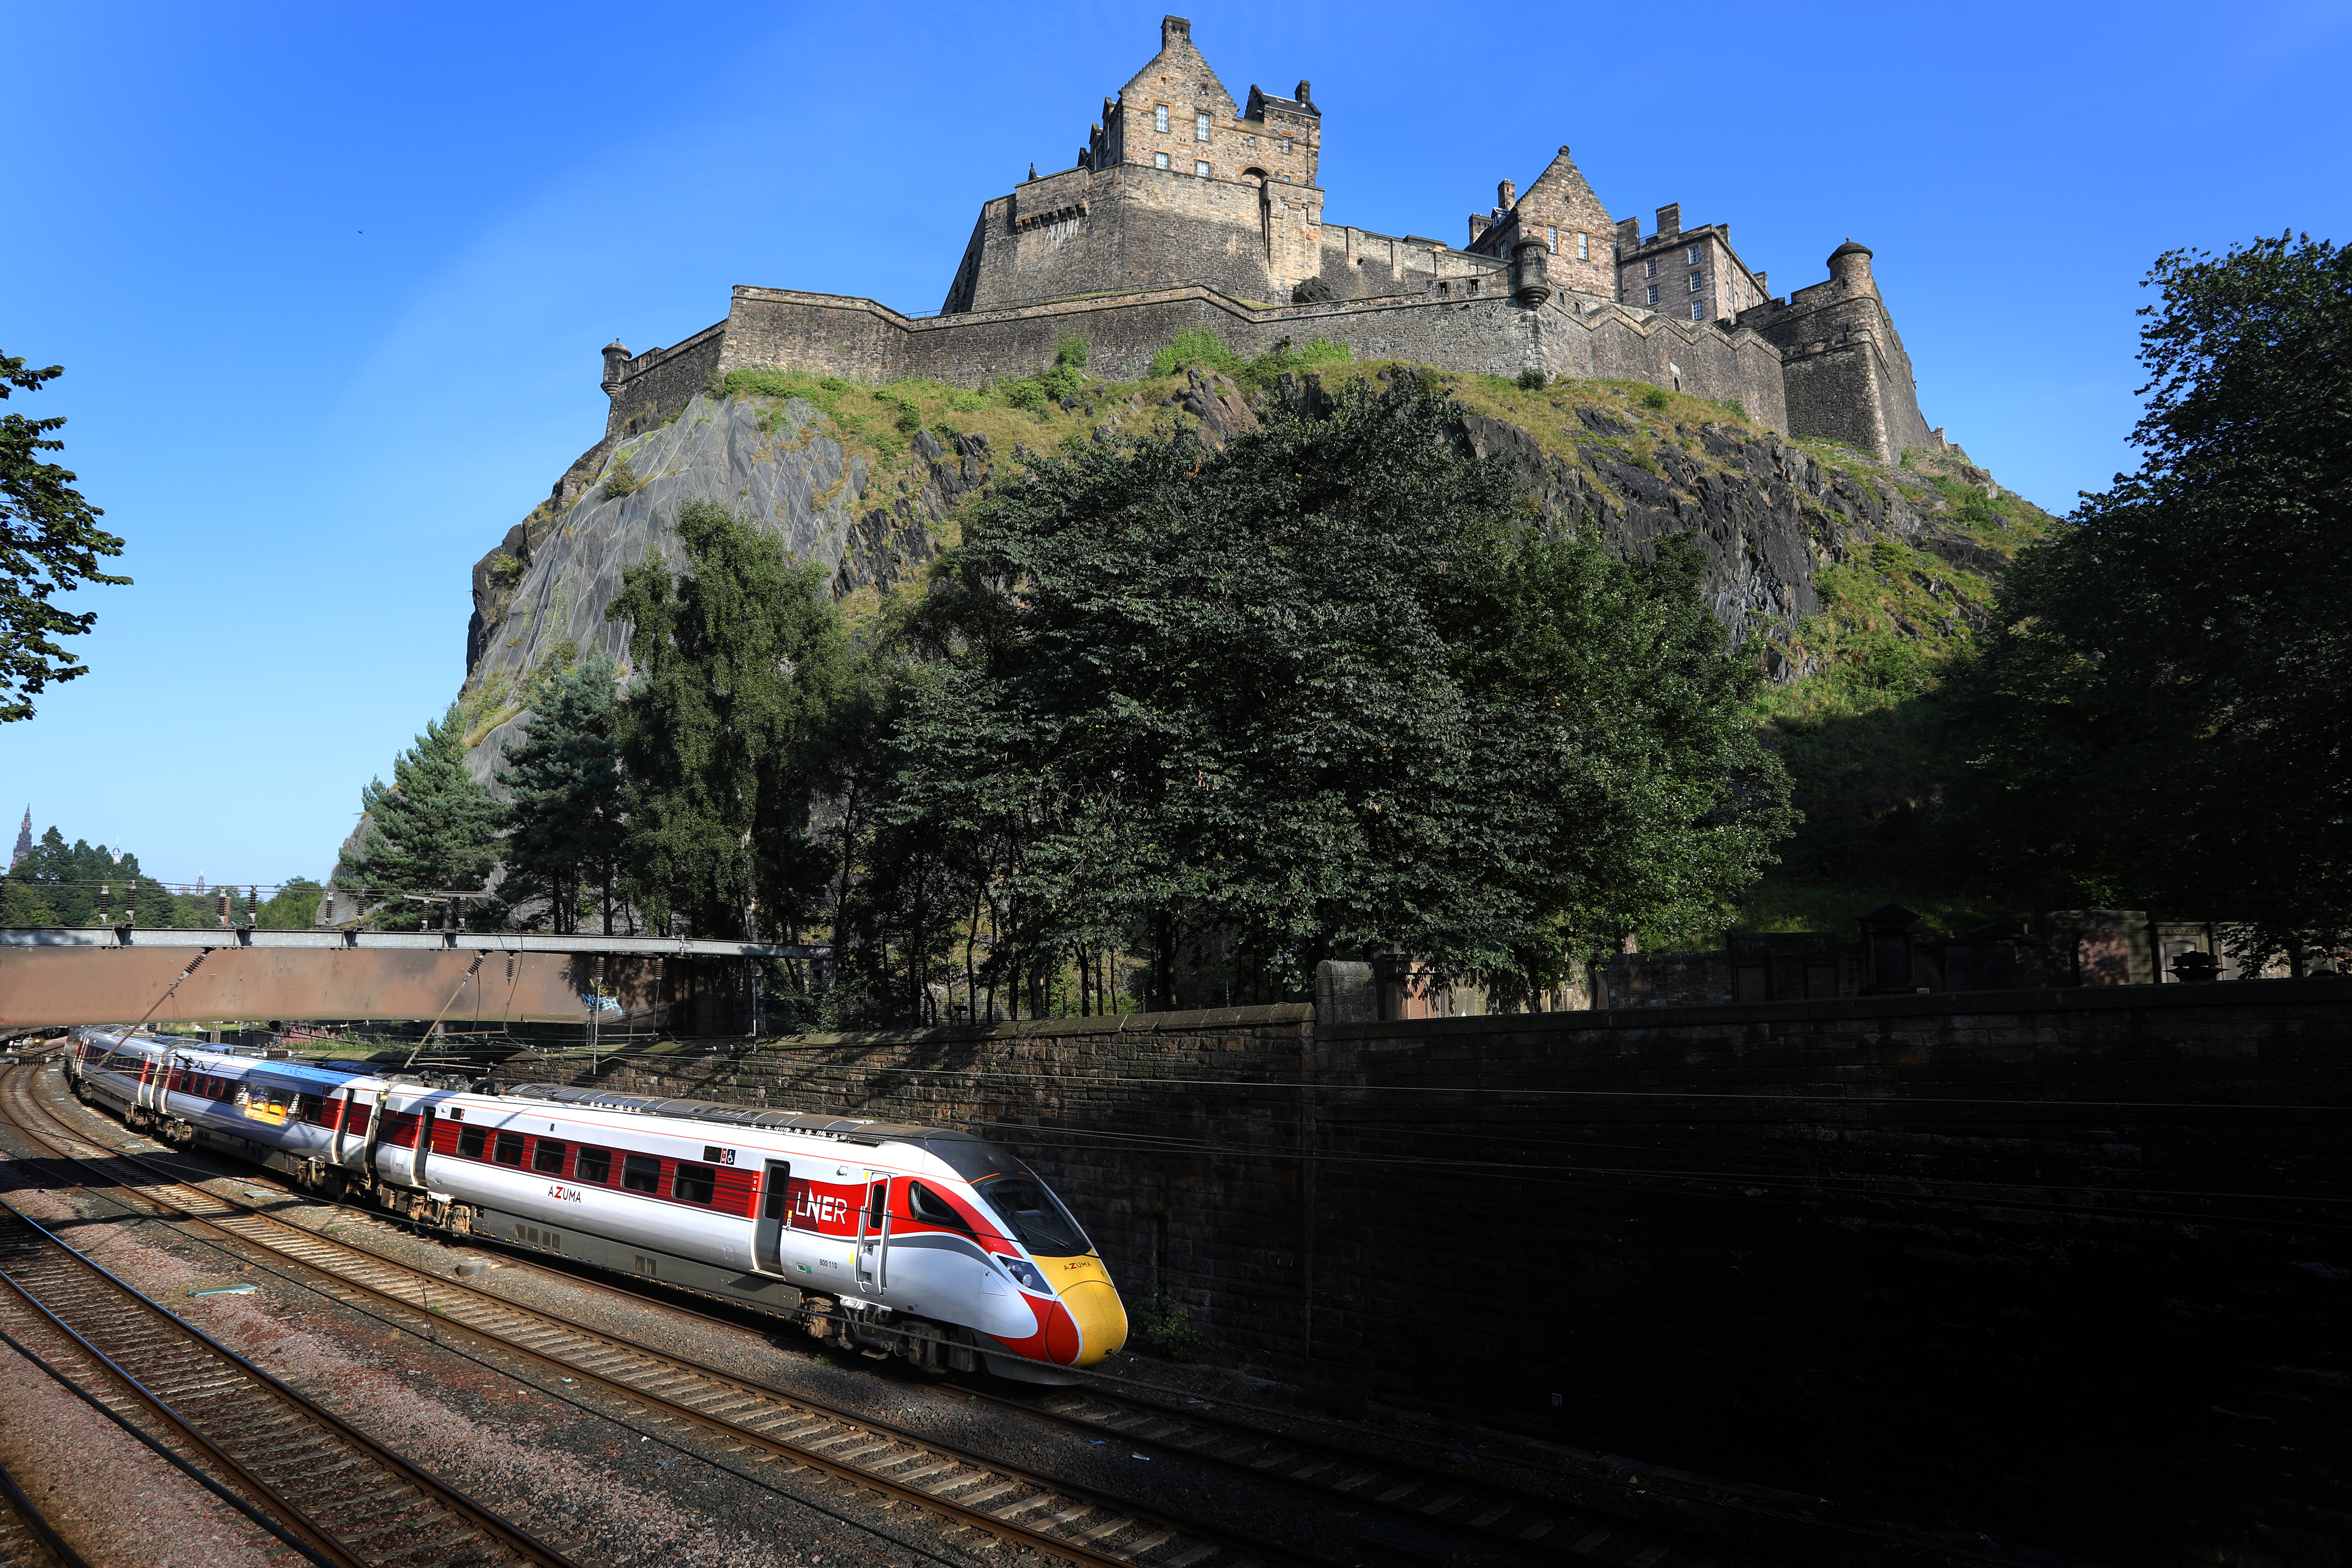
<point>775,1210</point>
<point>424,1147</point>
<point>874,1237</point>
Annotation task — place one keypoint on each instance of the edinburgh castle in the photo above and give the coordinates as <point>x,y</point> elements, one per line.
<point>1188,211</point>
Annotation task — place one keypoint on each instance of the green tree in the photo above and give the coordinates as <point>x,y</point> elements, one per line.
<point>1328,691</point>
<point>2162,717</point>
<point>294,906</point>
<point>79,882</point>
<point>736,664</point>
<point>563,779</point>
<point>432,828</point>
<point>50,542</point>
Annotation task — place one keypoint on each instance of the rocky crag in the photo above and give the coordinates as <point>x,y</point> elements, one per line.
<point>1817,551</point>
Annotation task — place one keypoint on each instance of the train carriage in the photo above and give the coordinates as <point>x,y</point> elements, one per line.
<point>920,1242</point>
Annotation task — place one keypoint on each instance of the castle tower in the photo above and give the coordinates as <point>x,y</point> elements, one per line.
<point>23,841</point>
<point>1850,268</point>
<point>1177,183</point>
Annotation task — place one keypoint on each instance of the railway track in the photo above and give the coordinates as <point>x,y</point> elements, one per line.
<point>1079,1525</point>
<point>351,1501</point>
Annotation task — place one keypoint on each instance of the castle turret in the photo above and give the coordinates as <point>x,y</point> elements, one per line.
<point>1530,273</point>
<point>1506,194</point>
<point>616,360</point>
<point>1850,268</point>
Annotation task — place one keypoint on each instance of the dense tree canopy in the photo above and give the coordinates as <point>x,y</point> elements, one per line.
<point>49,542</point>
<point>2164,717</point>
<point>736,663</point>
<point>1331,691</point>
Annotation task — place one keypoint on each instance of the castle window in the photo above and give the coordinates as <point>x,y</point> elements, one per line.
<point>1200,128</point>
<point>1551,239</point>
<point>1654,294</point>
<point>1583,246</point>
<point>1698,310</point>
<point>1159,118</point>
<point>1285,143</point>
<point>1650,270</point>
<point>1201,169</point>
<point>1694,255</point>
<point>1159,159</point>
<point>1696,280</point>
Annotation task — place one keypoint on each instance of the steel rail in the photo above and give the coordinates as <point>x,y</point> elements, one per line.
<point>128,1298</point>
<point>30,1517</point>
<point>726,1392</point>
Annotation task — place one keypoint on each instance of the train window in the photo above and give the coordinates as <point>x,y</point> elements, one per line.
<point>693,1183</point>
<point>877,1199</point>
<point>470,1141</point>
<point>593,1165</point>
<point>507,1149</point>
<point>1037,1217</point>
<point>776,1202</point>
<point>641,1173</point>
<point>547,1155</point>
<point>932,1209</point>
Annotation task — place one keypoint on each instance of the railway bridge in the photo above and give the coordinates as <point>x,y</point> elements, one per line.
<point>112,974</point>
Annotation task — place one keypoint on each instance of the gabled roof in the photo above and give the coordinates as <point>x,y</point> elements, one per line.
<point>1260,101</point>
<point>1185,70</point>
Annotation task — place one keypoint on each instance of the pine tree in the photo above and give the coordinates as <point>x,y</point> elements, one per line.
<point>564,781</point>
<point>432,828</point>
<point>737,663</point>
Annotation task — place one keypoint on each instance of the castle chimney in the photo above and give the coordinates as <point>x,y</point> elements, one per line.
<point>1506,194</point>
<point>617,359</point>
<point>1670,220</point>
<point>1850,265</point>
<point>1629,235</point>
<point>1172,28</point>
<point>1306,91</point>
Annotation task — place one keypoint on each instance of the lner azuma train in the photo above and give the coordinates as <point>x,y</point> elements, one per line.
<point>919,1242</point>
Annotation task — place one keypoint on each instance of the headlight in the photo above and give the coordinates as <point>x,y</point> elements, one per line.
<point>1024,1273</point>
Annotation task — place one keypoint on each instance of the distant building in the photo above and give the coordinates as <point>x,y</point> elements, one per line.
<point>23,841</point>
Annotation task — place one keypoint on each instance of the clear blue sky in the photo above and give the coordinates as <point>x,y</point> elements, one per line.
<point>330,282</point>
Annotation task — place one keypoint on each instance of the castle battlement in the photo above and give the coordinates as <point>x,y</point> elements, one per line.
<point>1188,210</point>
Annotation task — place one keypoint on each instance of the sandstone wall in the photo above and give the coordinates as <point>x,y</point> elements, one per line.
<point>2067,1266</point>
<point>1572,335</point>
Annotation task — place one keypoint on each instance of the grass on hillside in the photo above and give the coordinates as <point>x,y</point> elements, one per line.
<point>1861,735</point>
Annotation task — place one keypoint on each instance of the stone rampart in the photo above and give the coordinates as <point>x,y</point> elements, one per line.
<point>658,383</point>
<point>2070,1264</point>
<point>1572,335</point>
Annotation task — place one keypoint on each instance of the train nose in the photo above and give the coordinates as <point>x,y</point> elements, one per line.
<point>1101,1319</point>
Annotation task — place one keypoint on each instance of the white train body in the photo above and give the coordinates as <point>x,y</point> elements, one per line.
<point>917,1241</point>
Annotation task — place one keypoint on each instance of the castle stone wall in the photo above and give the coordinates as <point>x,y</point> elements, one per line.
<point>1572,336</point>
<point>658,383</point>
<point>1129,226</point>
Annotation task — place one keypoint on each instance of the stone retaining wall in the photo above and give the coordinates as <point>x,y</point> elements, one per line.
<point>2072,1264</point>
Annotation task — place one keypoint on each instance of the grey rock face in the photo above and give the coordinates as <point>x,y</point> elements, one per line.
<point>1766,514</point>
<point>564,565</point>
